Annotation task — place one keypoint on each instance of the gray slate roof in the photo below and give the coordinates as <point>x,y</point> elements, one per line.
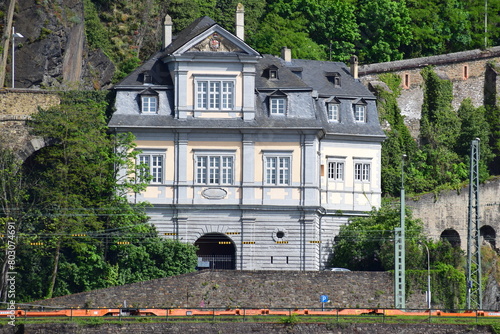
<point>314,75</point>
<point>298,79</point>
<point>194,29</point>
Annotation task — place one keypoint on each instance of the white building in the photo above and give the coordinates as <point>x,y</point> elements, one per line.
<point>256,159</point>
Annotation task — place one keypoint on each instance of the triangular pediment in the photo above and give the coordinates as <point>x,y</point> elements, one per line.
<point>216,39</point>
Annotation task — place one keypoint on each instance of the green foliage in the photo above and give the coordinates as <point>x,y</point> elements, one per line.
<point>493,120</point>
<point>80,211</point>
<point>474,125</point>
<point>97,35</point>
<point>290,320</point>
<point>276,32</point>
<point>385,28</point>
<point>366,242</point>
<point>438,27</point>
<point>399,140</point>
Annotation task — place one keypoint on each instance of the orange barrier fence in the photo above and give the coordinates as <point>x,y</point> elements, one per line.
<point>100,312</point>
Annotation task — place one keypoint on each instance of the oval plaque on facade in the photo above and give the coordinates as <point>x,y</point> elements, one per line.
<point>214,193</point>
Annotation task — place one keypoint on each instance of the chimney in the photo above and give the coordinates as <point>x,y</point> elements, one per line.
<point>240,21</point>
<point>354,66</point>
<point>167,31</point>
<point>286,54</point>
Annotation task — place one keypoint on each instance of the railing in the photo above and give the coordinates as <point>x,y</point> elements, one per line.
<point>216,262</point>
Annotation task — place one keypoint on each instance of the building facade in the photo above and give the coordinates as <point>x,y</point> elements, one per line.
<point>256,159</point>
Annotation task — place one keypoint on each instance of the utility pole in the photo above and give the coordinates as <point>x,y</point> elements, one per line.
<point>474,286</point>
<point>400,249</point>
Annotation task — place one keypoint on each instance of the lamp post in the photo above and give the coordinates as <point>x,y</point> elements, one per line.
<point>428,294</point>
<point>14,36</point>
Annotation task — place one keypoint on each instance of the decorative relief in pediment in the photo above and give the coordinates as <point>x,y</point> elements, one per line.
<point>216,43</point>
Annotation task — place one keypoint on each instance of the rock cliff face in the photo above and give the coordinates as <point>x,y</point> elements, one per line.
<point>54,52</point>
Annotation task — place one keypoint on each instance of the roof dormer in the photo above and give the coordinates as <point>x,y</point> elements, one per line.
<point>146,78</point>
<point>334,78</point>
<point>277,103</point>
<point>148,101</point>
<point>271,73</point>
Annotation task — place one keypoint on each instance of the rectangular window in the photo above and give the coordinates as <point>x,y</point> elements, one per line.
<point>277,170</point>
<point>149,104</point>
<point>333,112</point>
<point>277,105</point>
<point>359,113</point>
<point>214,169</point>
<point>152,166</point>
<point>406,81</point>
<point>214,94</point>
<point>362,172</point>
<point>201,95</point>
<point>336,171</point>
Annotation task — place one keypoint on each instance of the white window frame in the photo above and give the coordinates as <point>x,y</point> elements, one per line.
<point>336,170</point>
<point>277,105</point>
<point>277,168</point>
<point>156,165</point>
<point>359,113</point>
<point>214,93</point>
<point>149,104</point>
<point>362,171</point>
<point>214,168</point>
<point>333,112</point>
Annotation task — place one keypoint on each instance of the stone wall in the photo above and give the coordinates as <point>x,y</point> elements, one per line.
<point>472,73</point>
<point>247,289</point>
<point>449,210</point>
<point>16,106</point>
<point>243,328</point>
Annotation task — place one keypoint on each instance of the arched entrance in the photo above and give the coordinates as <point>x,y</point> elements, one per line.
<point>452,236</point>
<point>489,235</point>
<point>216,251</point>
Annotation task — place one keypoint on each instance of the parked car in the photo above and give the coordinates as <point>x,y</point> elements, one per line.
<point>336,269</point>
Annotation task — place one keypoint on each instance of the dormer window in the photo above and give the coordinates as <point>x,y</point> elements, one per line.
<point>359,110</point>
<point>149,101</point>
<point>334,78</point>
<point>333,112</point>
<point>271,72</point>
<point>277,103</point>
<point>333,109</point>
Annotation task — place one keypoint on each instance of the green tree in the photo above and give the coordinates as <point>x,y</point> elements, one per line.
<point>276,32</point>
<point>12,201</point>
<point>399,140</point>
<point>385,29</point>
<point>493,119</point>
<point>366,242</point>
<point>329,23</point>
<point>438,27</point>
<point>438,164</point>
<point>81,211</point>
<point>474,125</point>
<point>71,173</point>
<point>482,37</point>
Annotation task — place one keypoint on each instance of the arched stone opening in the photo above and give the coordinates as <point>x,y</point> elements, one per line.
<point>489,235</point>
<point>216,251</point>
<point>452,236</point>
